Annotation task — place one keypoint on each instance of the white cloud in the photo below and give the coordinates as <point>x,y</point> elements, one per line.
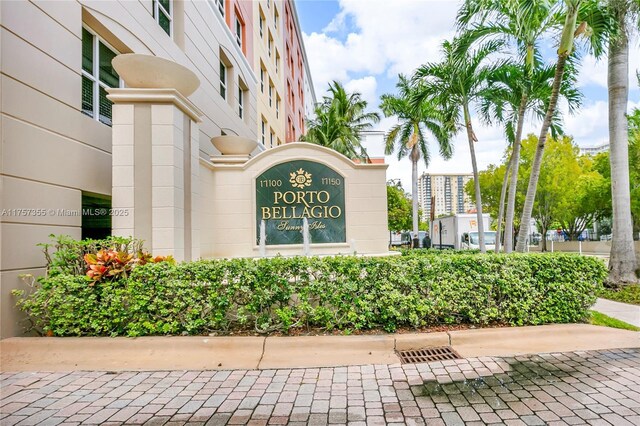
<point>590,125</point>
<point>388,38</point>
<point>366,86</point>
<point>594,71</point>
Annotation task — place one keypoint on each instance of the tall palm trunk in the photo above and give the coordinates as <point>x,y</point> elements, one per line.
<point>622,261</point>
<point>513,183</point>
<point>564,50</point>
<point>476,181</point>
<point>415,156</point>
<point>503,195</point>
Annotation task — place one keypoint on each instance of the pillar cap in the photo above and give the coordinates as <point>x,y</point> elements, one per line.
<point>152,72</point>
<point>154,96</point>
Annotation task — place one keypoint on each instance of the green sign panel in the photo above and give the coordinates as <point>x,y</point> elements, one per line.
<point>289,192</point>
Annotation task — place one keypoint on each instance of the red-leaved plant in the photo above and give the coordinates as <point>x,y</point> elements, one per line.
<point>110,264</point>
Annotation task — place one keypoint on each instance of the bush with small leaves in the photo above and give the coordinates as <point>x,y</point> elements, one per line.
<point>331,293</point>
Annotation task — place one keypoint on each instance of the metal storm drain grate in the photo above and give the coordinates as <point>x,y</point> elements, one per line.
<point>415,356</point>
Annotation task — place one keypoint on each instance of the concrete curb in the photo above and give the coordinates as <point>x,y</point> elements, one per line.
<point>226,353</point>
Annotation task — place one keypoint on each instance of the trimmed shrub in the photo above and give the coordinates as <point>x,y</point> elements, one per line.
<point>343,293</point>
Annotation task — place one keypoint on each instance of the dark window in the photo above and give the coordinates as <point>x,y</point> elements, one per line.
<point>162,13</point>
<point>223,80</point>
<point>96,220</point>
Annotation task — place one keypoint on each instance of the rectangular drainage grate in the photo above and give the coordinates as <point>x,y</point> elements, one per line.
<point>415,356</point>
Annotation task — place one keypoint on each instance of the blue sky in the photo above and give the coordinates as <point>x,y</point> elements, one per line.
<point>364,44</point>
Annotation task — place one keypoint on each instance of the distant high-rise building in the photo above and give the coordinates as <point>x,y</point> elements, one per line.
<point>446,192</point>
<point>593,150</point>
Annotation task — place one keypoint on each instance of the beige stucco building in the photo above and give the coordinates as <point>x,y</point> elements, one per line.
<point>110,111</point>
<point>268,63</point>
<point>56,122</point>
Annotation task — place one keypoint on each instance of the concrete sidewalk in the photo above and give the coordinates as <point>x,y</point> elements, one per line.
<point>622,311</point>
<point>225,353</point>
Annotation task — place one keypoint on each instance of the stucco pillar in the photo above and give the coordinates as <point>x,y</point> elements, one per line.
<point>155,170</point>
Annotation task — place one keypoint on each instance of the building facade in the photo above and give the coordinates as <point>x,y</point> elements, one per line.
<point>444,193</point>
<point>295,68</point>
<point>55,63</point>
<point>268,66</point>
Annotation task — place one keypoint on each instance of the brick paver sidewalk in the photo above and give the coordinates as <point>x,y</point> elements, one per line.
<point>598,388</point>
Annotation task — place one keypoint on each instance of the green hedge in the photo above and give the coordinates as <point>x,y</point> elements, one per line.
<point>345,293</point>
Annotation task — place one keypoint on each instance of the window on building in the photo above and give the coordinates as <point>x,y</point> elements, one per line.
<point>272,138</point>
<point>241,95</point>
<point>277,106</point>
<point>268,3</point>
<point>262,73</point>
<point>162,14</point>
<point>261,22</point>
<point>277,62</point>
<point>220,5</point>
<point>279,142</point>
<point>270,44</point>
<point>223,80</point>
<point>239,30</point>
<point>264,132</point>
<point>270,94</point>
<point>276,17</point>
<point>97,75</point>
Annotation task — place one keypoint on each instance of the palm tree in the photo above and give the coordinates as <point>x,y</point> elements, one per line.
<point>339,122</point>
<point>622,260</point>
<point>502,102</point>
<point>521,23</point>
<point>455,83</point>
<point>590,11</point>
<point>408,136</point>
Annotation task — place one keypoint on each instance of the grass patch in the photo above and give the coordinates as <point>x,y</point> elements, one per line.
<point>625,294</point>
<point>596,318</point>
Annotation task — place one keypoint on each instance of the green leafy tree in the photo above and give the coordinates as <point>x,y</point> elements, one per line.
<point>570,193</point>
<point>339,122</point>
<point>408,138</point>
<point>398,208</point>
<point>568,187</point>
<point>491,187</point>
<point>585,204</point>
<point>602,164</point>
<point>634,168</point>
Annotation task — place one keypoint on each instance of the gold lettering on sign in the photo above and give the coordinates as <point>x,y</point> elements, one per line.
<point>301,204</point>
<point>284,226</point>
